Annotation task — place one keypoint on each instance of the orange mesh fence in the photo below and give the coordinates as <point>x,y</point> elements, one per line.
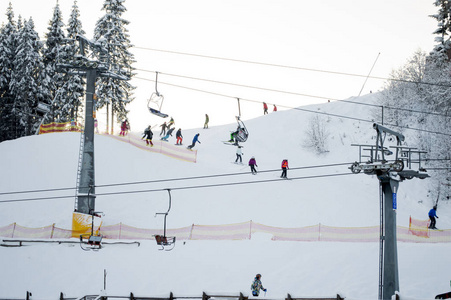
<point>346,234</point>
<point>239,231</point>
<point>419,227</point>
<point>166,148</point>
<point>59,127</point>
<point>310,233</point>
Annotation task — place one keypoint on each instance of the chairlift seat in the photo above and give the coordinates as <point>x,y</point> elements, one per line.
<point>157,112</point>
<point>95,240</point>
<point>43,108</point>
<point>164,240</point>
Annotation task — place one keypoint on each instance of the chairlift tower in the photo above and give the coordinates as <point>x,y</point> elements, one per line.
<point>389,173</point>
<point>99,66</point>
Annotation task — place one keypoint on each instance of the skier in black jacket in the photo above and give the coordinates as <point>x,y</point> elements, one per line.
<point>179,136</point>
<point>148,134</point>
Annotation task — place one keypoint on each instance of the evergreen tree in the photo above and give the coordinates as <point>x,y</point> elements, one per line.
<point>24,84</point>
<point>51,80</point>
<point>73,90</point>
<point>424,86</point>
<point>8,45</point>
<point>112,28</point>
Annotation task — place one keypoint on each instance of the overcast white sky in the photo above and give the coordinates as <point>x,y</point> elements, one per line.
<point>340,36</point>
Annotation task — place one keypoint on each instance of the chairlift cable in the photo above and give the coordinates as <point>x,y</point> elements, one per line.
<point>296,108</point>
<point>183,188</point>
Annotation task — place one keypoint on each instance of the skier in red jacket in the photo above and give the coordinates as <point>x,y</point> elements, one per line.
<point>284,168</point>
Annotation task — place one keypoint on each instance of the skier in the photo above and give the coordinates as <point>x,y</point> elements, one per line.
<point>72,125</point>
<point>96,125</point>
<point>163,128</point>
<point>165,138</point>
<point>207,119</point>
<point>148,134</point>
<point>432,216</point>
<point>265,108</point>
<point>257,286</point>
<point>253,164</point>
<point>284,168</point>
<point>233,135</point>
<point>195,139</point>
<point>124,127</point>
<point>239,153</point>
<point>275,107</point>
<point>179,136</point>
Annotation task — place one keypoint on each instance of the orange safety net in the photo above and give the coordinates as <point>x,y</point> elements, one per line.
<point>162,147</point>
<point>238,231</point>
<point>419,227</point>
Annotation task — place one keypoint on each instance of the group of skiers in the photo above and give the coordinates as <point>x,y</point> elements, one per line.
<point>253,164</point>
<point>265,108</point>
<point>148,134</point>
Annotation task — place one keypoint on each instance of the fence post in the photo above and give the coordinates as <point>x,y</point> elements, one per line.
<point>53,229</point>
<point>14,229</point>
<point>171,296</point>
<point>319,232</point>
<point>191,232</point>
<point>205,296</point>
<point>288,297</point>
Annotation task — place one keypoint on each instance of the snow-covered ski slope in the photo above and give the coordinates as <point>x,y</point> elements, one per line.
<point>300,268</point>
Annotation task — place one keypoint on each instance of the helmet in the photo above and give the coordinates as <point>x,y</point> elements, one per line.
<point>258,276</point>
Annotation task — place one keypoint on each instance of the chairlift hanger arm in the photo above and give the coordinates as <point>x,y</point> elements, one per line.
<point>381,129</point>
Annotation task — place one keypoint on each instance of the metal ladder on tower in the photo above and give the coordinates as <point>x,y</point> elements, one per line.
<point>80,161</point>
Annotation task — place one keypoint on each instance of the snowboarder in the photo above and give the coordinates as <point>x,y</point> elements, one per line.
<point>284,168</point>
<point>124,127</point>
<point>148,134</point>
<point>171,122</point>
<point>253,164</point>
<point>169,133</point>
<point>432,216</point>
<point>265,108</point>
<point>257,286</point>
<point>195,139</point>
<point>179,136</point>
<point>239,153</point>
<point>275,107</point>
<point>163,126</point>
<point>207,119</point>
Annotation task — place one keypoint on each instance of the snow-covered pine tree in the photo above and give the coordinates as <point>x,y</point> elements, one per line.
<point>419,95</point>
<point>73,90</point>
<point>51,80</point>
<point>8,45</point>
<point>24,83</point>
<point>112,28</point>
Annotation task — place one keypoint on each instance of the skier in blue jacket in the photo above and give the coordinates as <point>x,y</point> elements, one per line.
<point>195,139</point>
<point>432,216</point>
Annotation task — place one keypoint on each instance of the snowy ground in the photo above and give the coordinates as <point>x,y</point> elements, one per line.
<point>302,269</point>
